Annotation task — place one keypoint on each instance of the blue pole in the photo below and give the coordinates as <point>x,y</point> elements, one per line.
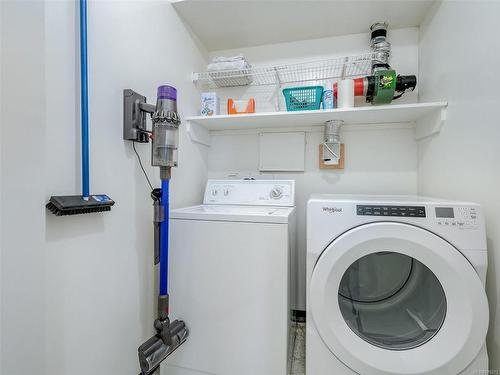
<point>84,97</point>
<point>164,239</point>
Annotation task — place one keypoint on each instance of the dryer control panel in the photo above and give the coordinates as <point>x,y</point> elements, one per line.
<point>386,210</point>
<point>460,217</point>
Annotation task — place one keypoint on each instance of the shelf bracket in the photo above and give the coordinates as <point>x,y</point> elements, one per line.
<point>198,134</point>
<point>431,124</point>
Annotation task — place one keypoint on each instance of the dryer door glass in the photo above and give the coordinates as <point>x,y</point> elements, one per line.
<point>392,300</point>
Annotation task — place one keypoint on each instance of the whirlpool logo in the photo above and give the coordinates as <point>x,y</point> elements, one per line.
<point>332,210</point>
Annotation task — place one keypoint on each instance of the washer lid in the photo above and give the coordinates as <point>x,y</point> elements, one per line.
<point>430,320</point>
<point>254,214</point>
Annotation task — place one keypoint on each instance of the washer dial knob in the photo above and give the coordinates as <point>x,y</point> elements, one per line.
<point>276,193</point>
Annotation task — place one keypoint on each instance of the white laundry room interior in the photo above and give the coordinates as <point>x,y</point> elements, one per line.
<point>198,187</point>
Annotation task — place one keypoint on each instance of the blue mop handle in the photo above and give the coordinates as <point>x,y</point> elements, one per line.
<point>84,97</point>
<point>164,239</point>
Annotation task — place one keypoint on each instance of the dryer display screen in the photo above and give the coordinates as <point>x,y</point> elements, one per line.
<point>378,210</point>
<point>445,212</point>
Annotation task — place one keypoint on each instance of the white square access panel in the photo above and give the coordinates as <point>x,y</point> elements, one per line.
<point>282,151</point>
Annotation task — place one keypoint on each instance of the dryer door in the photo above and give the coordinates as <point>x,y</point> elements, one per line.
<point>392,298</point>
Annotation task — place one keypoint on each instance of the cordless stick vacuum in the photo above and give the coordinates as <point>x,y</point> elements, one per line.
<point>165,137</point>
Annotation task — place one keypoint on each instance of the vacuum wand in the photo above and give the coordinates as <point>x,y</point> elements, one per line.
<point>169,335</point>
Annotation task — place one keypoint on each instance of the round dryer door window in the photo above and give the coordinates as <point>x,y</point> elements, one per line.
<point>393,298</point>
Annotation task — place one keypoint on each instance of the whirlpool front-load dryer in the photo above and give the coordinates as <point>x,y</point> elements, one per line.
<point>229,279</point>
<point>395,285</point>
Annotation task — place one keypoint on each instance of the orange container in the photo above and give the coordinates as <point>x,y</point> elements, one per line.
<point>235,107</point>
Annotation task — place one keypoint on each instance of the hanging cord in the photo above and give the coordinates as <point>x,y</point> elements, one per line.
<point>142,167</point>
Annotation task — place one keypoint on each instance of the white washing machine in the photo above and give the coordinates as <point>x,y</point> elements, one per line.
<point>229,279</point>
<point>395,285</point>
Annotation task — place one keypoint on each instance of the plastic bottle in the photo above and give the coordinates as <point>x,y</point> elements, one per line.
<point>328,100</point>
<point>345,93</point>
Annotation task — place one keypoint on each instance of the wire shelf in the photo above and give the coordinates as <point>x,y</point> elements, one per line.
<point>350,66</point>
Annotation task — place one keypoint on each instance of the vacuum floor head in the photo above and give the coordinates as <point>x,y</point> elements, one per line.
<point>75,204</point>
<point>154,351</point>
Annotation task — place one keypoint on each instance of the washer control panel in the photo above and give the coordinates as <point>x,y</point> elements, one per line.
<point>382,210</point>
<point>251,192</point>
<point>459,217</point>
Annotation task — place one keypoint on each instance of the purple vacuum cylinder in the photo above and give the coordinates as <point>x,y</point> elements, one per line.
<point>167,92</point>
<point>165,128</point>
<point>166,99</point>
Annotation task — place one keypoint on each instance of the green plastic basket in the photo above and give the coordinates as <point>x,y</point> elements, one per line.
<point>303,98</point>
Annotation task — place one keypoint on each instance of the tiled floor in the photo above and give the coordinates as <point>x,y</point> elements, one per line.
<point>299,350</point>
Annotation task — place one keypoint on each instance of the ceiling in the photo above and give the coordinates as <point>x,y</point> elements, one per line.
<point>233,24</point>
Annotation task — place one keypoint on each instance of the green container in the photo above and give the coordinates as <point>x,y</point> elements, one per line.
<point>303,98</point>
<point>385,85</point>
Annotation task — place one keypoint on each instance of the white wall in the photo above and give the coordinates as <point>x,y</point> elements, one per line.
<point>22,195</point>
<point>1,118</point>
<point>379,159</point>
<point>459,58</point>
<point>78,293</point>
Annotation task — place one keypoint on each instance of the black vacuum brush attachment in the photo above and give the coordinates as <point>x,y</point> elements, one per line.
<point>75,204</point>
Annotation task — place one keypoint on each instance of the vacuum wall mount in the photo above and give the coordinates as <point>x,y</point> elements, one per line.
<point>135,109</point>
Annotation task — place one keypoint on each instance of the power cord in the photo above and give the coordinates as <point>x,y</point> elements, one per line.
<point>142,167</point>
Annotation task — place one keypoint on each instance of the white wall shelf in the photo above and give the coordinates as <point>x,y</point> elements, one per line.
<point>429,118</point>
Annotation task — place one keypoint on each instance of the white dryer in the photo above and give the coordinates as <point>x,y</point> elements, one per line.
<point>229,279</point>
<point>395,285</point>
